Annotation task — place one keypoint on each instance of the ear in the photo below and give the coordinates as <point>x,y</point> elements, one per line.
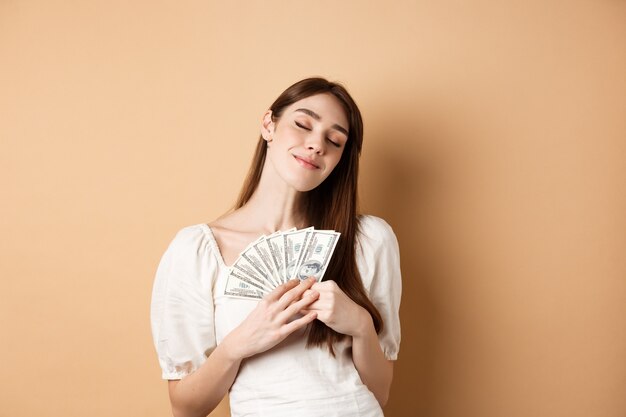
<point>267,126</point>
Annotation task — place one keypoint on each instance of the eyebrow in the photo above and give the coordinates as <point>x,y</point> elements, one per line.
<point>318,117</point>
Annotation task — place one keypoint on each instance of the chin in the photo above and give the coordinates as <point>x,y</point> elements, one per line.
<point>302,185</point>
<point>299,182</point>
<point>303,188</point>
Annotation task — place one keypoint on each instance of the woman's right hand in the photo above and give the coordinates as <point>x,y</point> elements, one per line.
<point>268,324</point>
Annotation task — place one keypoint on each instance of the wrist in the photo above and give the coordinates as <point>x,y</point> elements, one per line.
<point>365,324</point>
<point>230,349</point>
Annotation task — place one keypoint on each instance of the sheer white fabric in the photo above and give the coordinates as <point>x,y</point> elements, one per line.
<point>190,316</point>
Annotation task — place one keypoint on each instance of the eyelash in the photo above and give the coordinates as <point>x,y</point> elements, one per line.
<point>306,128</point>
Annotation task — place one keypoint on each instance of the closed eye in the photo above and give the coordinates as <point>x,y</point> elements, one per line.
<point>334,143</point>
<point>301,126</point>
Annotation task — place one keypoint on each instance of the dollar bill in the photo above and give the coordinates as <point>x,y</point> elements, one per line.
<point>251,255</point>
<point>292,247</point>
<point>276,246</point>
<point>316,255</point>
<point>263,252</point>
<point>244,268</point>
<point>274,259</point>
<point>240,286</point>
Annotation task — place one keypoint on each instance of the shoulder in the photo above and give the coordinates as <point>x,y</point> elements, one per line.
<point>190,241</point>
<point>378,258</point>
<point>190,259</point>
<point>189,235</point>
<point>375,231</point>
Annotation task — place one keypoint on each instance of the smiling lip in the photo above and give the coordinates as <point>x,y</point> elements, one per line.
<point>306,162</point>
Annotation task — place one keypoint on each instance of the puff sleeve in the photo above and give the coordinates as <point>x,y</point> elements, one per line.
<point>378,259</point>
<point>182,310</point>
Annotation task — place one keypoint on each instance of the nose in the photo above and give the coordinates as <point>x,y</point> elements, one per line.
<point>316,144</point>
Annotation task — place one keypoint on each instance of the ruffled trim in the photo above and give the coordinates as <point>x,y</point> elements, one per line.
<point>174,374</point>
<point>173,371</point>
<point>390,354</point>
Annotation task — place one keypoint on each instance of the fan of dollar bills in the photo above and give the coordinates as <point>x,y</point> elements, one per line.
<point>273,260</point>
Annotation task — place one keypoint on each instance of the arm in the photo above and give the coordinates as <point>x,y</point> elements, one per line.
<point>335,309</point>
<point>374,354</point>
<point>374,369</point>
<point>200,392</point>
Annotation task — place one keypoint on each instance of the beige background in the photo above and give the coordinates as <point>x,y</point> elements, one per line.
<point>495,146</point>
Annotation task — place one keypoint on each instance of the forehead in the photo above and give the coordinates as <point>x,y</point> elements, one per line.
<point>326,105</point>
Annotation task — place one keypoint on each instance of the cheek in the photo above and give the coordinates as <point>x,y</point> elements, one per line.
<point>294,133</point>
<point>335,160</point>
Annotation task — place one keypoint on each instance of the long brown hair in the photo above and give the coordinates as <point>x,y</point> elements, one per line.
<point>331,205</point>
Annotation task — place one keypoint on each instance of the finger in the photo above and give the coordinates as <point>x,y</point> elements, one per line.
<point>316,306</point>
<point>321,286</point>
<point>305,302</point>
<point>294,325</point>
<point>278,292</point>
<point>294,294</point>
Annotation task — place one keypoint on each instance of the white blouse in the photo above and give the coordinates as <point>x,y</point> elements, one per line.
<point>190,316</point>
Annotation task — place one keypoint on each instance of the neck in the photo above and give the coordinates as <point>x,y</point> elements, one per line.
<point>274,205</point>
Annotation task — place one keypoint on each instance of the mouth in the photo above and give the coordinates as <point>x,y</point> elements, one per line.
<point>305,162</point>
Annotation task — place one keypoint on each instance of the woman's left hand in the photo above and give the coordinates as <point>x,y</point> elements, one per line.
<point>336,310</point>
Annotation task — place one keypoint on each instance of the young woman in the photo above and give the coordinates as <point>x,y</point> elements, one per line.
<point>307,348</point>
